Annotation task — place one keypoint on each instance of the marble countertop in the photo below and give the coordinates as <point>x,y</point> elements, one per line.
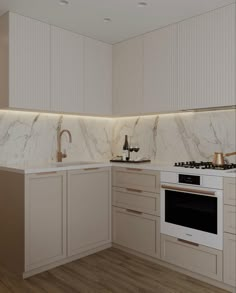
<point>28,168</point>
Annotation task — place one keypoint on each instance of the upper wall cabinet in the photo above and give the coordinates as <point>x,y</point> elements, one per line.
<point>67,71</point>
<point>160,70</point>
<point>206,60</point>
<point>25,63</point>
<point>128,77</point>
<point>97,77</point>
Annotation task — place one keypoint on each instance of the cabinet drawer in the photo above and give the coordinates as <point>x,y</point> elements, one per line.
<point>196,258</point>
<point>230,191</point>
<point>229,259</point>
<point>136,179</point>
<point>140,201</point>
<point>230,219</point>
<point>137,231</point>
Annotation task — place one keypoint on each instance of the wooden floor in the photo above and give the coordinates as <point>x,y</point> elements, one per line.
<point>108,271</point>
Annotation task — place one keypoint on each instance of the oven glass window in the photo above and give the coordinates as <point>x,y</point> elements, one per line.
<point>191,210</point>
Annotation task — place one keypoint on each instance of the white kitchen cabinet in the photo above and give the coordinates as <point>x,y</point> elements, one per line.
<point>67,71</point>
<point>128,77</point>
<point>25,63</point>
<point>206,60</point>
<point>160,70</point>
<point>97,77</point>
<point>230,259</point>
<point>89,209</point>
<point>45,219</point>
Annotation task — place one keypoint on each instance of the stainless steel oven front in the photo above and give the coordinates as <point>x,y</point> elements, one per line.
<point>192,208</point>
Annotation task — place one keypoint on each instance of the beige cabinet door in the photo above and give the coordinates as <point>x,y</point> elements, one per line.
<point>29,63</point>
<point>128,77</point>
<point>206,59</point>
<point>160,70</point>
<point>97,77</point>
<point>45,219</point>
<point>230,259</point>
<point>67,71</point>
<point>89,209</point>
<point>230,191</point>
<point>137,231</point>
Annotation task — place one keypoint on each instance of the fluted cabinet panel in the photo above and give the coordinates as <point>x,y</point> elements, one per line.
<point>160,70</point>
<point>206,60</point>
<point>29,68</point>
<point>97,77</point>
<point>128,77</point>
<point>67,71</point>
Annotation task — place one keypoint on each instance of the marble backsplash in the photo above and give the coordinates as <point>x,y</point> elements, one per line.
<point>32,137</point>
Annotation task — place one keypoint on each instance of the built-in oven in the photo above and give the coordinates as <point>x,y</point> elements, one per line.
<point>192,208</point>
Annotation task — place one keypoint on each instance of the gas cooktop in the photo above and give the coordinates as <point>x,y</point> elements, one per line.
<point>204,165</point>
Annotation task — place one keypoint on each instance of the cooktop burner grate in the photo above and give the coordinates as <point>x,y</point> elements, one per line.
<point>204,165</point>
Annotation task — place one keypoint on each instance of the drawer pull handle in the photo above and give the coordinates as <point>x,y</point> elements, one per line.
<point>90,169</point>
<point>134,212</point>
<point>134,190</point>
<point>134,169</point>
<point>168,187</point>
<point>46,173</point>
<point>188,242</point>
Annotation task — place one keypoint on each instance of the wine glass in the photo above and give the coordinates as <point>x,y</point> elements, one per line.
<point>136,148</point>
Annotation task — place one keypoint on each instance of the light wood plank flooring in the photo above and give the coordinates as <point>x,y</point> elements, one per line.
<point>108,271</point>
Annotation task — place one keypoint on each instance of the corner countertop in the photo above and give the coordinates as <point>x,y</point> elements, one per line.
<point>28,168</point>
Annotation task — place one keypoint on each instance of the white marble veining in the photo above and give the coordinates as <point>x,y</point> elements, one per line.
<point>179,137</point>
<point>31,137</point>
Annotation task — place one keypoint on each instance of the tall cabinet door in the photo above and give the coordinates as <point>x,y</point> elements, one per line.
<point>97,77</point>
<point>29,68</point>
<point>206,57</point>
<point>89,209</point>
<point>67,71</point>
<point>160,70</point>
<point>45,219</point>
<point>128,77</point>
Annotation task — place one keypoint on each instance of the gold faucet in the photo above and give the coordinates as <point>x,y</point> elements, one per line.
<point>61,155</point>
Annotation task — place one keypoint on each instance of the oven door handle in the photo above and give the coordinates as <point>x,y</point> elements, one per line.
<point>205,192</point>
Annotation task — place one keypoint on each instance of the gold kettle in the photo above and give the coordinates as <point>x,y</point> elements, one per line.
<point>218,159</point>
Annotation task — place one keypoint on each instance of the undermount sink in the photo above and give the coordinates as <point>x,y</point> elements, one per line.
<point>67,164</point>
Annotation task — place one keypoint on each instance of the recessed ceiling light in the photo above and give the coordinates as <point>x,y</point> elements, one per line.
<point>142,4</point>
<point>63,2</point>
<point>107,19</point>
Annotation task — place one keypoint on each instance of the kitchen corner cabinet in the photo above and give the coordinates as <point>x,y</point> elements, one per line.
<point>45,219</point>
<point>128,77</point>
<point>25,63</point>
<point>97,77</point>
<point>67,71</point>
<point>206,60</point>
<point>160,70</point>
<point>89,209</point>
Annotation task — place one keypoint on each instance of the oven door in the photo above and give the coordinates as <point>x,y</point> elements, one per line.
<point>192,214</point>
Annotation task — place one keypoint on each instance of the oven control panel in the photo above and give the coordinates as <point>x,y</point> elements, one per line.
<point>189,179</point>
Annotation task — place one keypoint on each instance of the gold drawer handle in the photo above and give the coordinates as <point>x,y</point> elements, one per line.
<point>188,242</point>
<point>46,173</point>
<point>134,169</point>
<point>134,212</point>
<point>134,190</point>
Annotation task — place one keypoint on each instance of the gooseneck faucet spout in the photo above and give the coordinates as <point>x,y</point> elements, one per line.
<point>60,155</point>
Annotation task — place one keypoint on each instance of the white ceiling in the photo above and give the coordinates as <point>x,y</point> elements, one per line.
<point>128,20</point>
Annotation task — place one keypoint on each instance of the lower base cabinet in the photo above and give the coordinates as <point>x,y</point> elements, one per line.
<point>193,257</point>
<point>137,231</point>
<point>230,259</point>
<point>45,219</point>
<point>89,209</point>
